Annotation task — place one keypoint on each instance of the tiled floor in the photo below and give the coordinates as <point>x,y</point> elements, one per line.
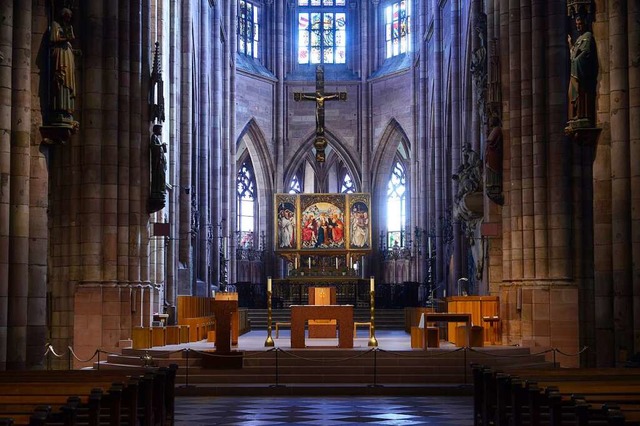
<point>326,411</point>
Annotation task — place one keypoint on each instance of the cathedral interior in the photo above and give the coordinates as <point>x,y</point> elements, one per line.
<point>143,144</point>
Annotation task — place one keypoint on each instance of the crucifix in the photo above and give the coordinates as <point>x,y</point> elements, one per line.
<point>319,96</point>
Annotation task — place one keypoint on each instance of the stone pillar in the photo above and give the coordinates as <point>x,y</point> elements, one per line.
<point>108,143</point>
<point>6,56</point>
<point>124,142</point>
<point>620,182</point>
<point>231,102</point>
<point>185,104</point>
<point>38,217</point>
<point>633,43</point>
<point>515,143</point>
<point>523,56</point>
<point>437,140</point>
<point>19,188</point>
<point>217,150</point>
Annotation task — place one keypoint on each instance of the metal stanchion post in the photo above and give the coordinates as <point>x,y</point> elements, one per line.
<point>375,370</point>
<point>98,359</point>
<point>70,355</point>
<point>466,348</point>
<point>277,385</point>
<point>186,383</point>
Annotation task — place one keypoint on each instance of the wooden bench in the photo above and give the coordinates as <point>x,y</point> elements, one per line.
<point>555,396</point>
<point>137,396</point>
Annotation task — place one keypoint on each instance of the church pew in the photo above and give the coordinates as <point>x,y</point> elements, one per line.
<point>501,398</point>
<point>149,398</point>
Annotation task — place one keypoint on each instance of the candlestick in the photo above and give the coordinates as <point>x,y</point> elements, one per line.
<point>268,284</point>
<point>372,283</point>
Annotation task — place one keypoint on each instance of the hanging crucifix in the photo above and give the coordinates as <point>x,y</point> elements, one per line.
<point>319,96</point>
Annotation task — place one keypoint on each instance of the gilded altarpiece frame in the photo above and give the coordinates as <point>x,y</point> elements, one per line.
<point>322,223</point>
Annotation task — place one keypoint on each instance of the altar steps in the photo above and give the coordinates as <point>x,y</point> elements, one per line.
<point>386,319</point>
<point>334,368</point>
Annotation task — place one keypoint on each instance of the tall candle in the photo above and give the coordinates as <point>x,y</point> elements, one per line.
<point>429,243</point>
<point>336,262</point>
<point>268,284</point>
<point>309,263</point>
<point>295,263</point>
<point>372,283</point>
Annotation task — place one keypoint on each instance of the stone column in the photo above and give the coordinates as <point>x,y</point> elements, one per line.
<point>515,142</point>
<point>109,143</point>
<point>124,141</point>
<point>185,104</point>
<point>542,75</point>
<point>217,150</point>
<point>633,43</point>
<point>524,57</point>
<point>437,140</point>
<point>459,243</point>
<point>620,181</point>
<point>6,57</point>
<point>19,188</point>
<point>231,101</point>
<point>38,215</point>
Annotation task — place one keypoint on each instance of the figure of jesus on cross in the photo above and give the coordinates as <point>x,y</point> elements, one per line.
<point>319,96</point>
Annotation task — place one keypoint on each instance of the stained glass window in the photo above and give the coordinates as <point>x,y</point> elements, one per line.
<point>248,29</point>
<point>396,17</point>
<point>322,32</point>
<point>396,206</point>
<point>246,194</point>
<point>347,187</point>
<point>295,186</point>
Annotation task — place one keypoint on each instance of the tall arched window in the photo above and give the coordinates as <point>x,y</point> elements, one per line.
<point>396,19</point>
<point>246,187</point>
<point>396,206</point>
<point>248,29</point>
<point>347,186</point>
<point>295,186</point>
<point>322,31</point>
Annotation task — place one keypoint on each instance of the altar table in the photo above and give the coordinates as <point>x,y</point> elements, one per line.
<point>343,314</point>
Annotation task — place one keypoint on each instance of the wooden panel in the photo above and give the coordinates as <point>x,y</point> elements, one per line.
<point>477,306</point>
<point>141,337</point>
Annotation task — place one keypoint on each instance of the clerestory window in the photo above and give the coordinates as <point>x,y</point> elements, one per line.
<point>248,29</point>
<point>322,31</point>
<point>396,17</point>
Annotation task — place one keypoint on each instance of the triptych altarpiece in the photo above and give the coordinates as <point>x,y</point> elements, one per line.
<point>322,222</point>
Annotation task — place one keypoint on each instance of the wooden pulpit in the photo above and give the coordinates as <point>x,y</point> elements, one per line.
<point>225,308</point>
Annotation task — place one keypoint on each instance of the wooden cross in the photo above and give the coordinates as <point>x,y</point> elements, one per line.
<point>319,96</point>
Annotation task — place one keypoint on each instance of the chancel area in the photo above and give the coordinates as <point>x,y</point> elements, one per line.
<point>442,173</point>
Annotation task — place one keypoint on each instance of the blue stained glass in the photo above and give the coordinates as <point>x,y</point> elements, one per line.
<point>303,2</point>
<point>303,21</point>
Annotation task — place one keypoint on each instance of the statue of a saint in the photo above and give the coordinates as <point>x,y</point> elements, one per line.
<point>583,79</point>
<point>158,170</point>
<point>63,91</point>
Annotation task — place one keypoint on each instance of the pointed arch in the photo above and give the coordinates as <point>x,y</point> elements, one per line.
<point>394,139</point>
<point>336,153</point>
<point>251,143</point>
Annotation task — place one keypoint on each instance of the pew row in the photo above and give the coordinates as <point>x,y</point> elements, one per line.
<point>607,396</point>
<point>88,397</point>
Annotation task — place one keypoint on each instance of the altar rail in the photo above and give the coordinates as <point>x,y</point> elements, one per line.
<point>351,291</point>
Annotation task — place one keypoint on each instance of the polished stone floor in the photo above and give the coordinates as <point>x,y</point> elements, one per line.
<point>326,411</point>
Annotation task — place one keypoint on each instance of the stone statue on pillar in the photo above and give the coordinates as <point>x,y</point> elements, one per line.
<point>583,77</point>
<point>157,199</point>
<point>60,123</point>
<point>63,85</point>
<point>493,161</point>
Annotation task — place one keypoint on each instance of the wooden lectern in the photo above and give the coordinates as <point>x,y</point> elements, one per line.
<point>225,308</point>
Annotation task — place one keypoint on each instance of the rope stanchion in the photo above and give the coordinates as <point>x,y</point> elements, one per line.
<point>466,348</point>
<point>375,370</point>
<point>321,360</point>
<point>186,383</point>
<point>277,385</point>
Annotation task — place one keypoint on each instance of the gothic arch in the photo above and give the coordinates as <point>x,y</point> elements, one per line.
<point>393,139</point>
<point>336,152</point>
<point>251,142</point>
